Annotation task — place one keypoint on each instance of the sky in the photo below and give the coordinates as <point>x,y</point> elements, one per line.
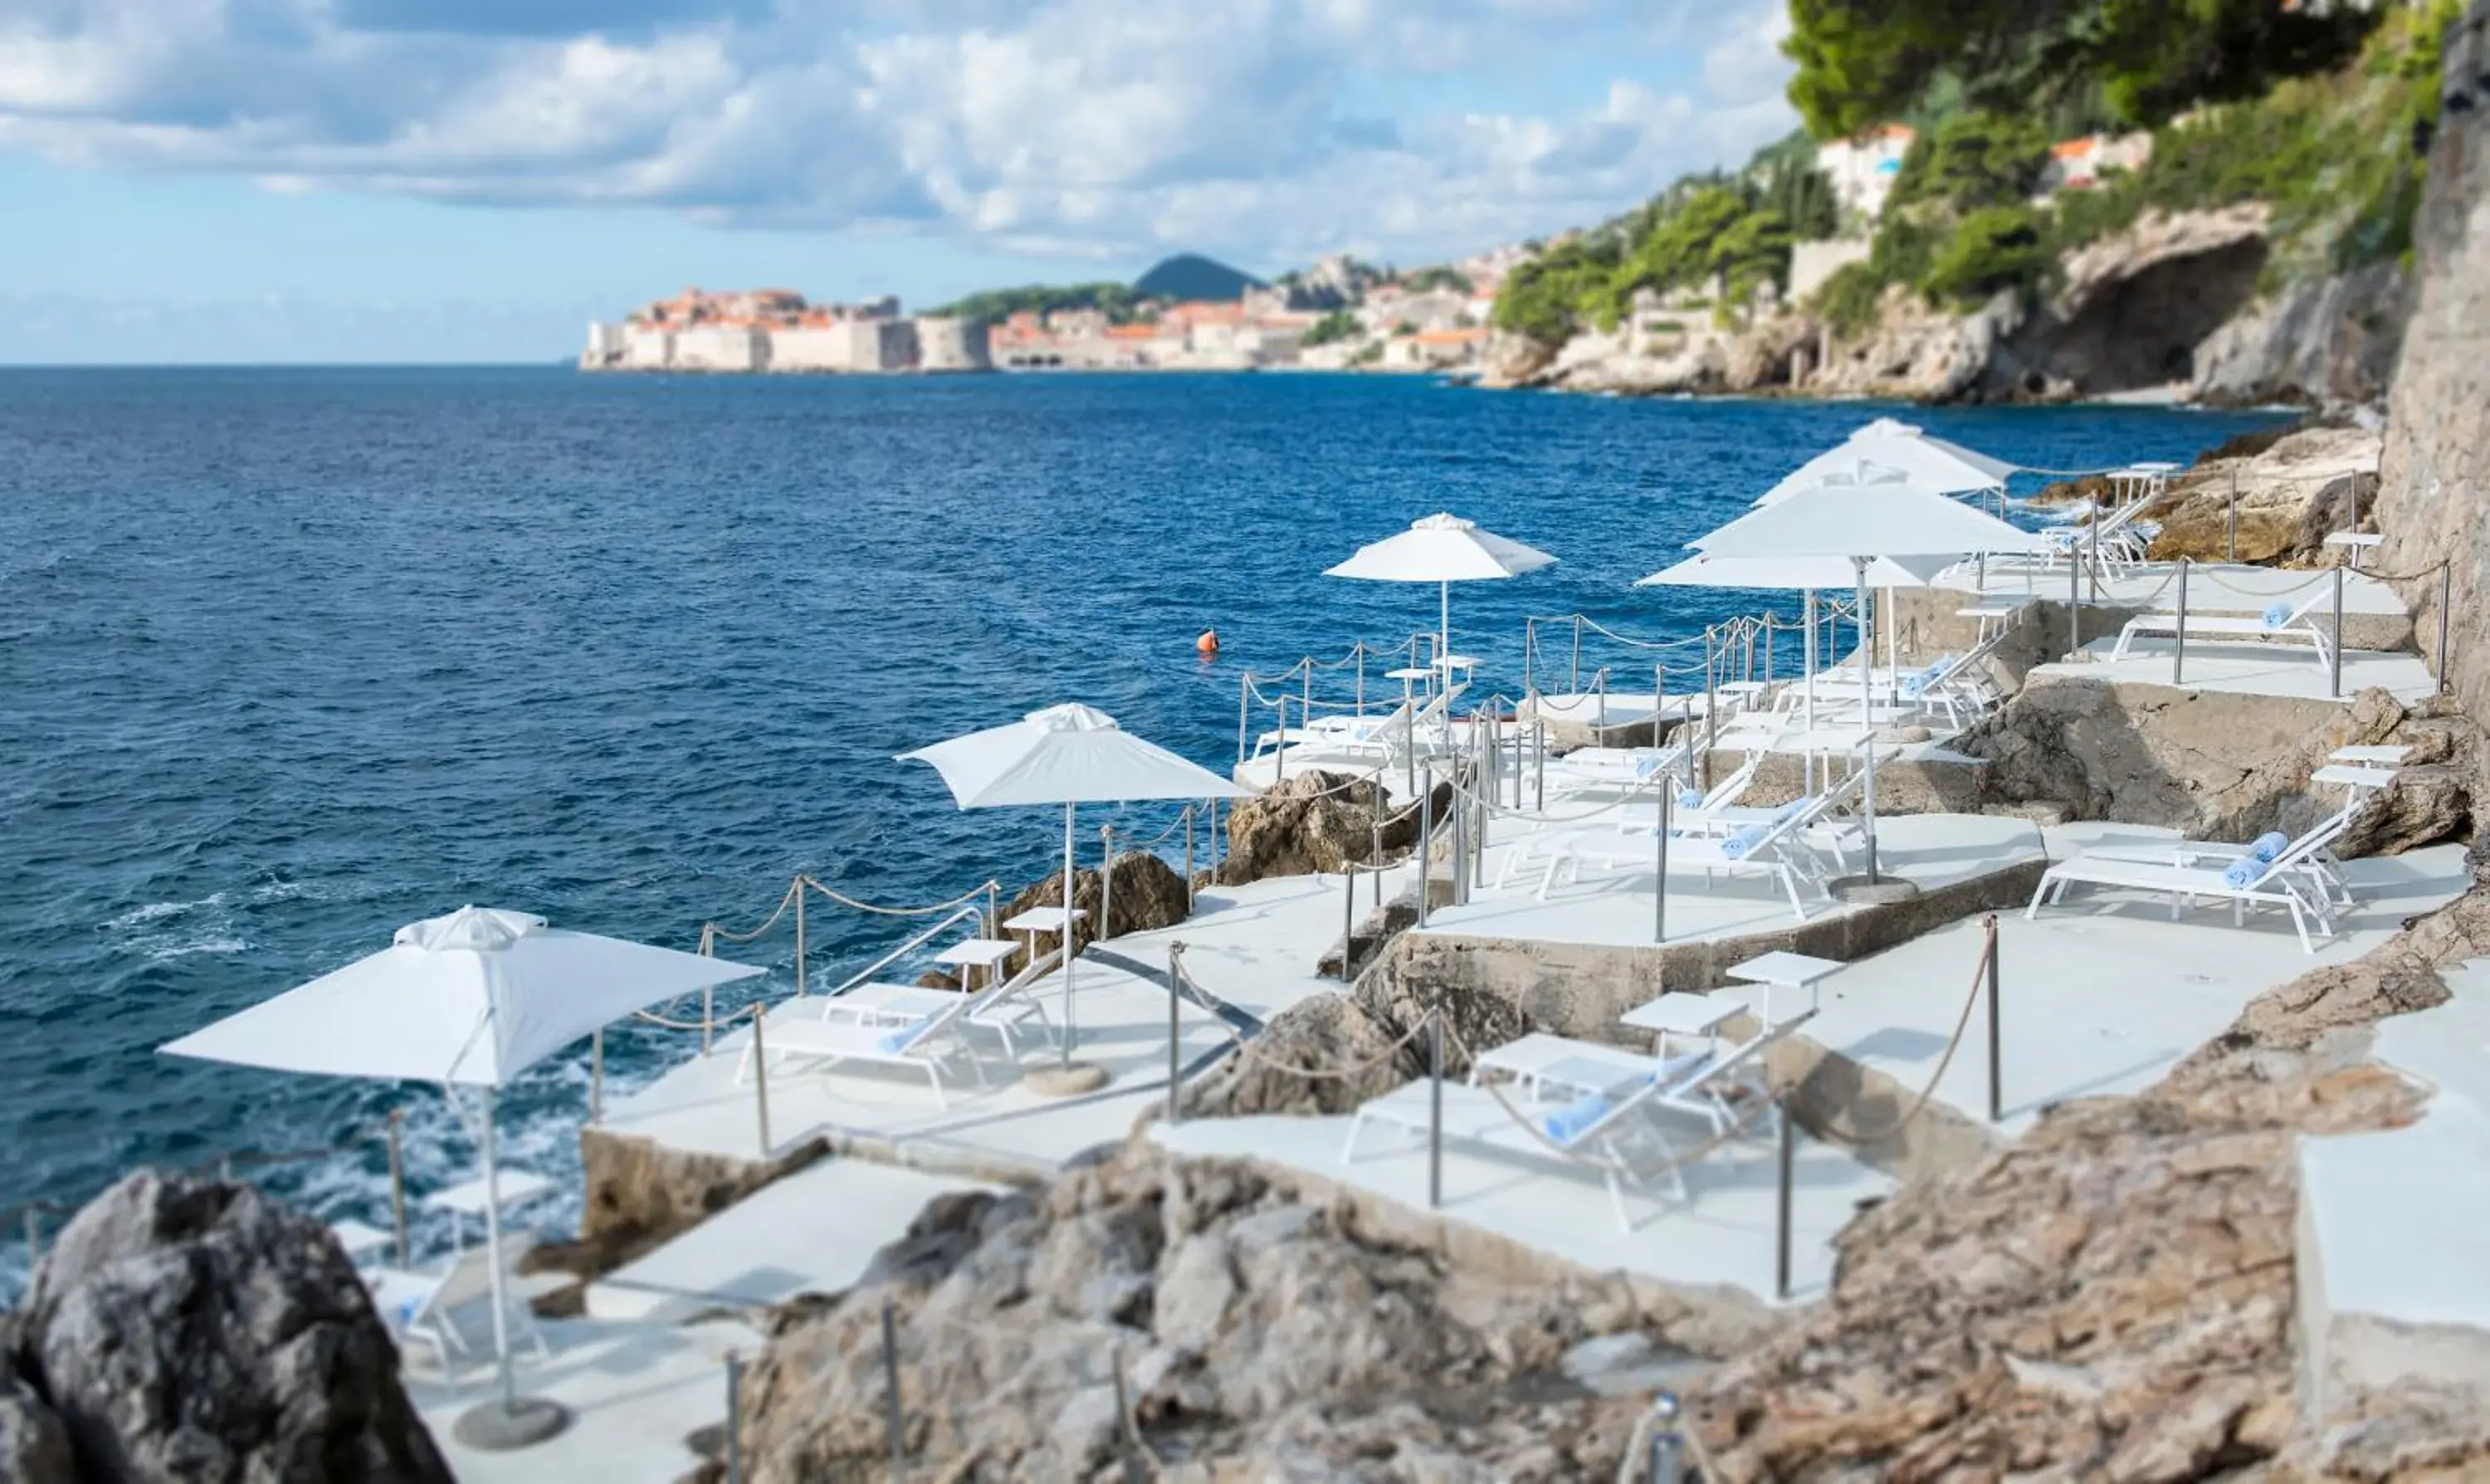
<point>359,180</point>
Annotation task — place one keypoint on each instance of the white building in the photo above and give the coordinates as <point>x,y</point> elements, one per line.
<point>1862,169</point>
<point>646,346</point>
<point>950,344</point>
<point>721,348</point>
<point>2079,164</point>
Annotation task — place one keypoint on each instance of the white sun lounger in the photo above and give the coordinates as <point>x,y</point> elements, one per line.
<point>1012,1005</point>
<point>1774,850</point>
<point>2243,881</point>
<point>2279,620</point>
<point>1702,1082</point>
<point>421,1308</point>
<point>923,1045</point>
<point>1619,1133</point>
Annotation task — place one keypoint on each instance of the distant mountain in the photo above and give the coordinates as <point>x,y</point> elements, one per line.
<point>1189,275</point>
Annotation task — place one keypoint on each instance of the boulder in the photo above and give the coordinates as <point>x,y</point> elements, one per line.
<point>187,1330</point>
<point>1148,894</point>
<point>33,1445</point>
<point>2291,496</point>
<point>1315,822</point>
<point>1329,1032</point>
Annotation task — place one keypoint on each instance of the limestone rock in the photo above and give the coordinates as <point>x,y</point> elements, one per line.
<point>185,1329</point>
<point>641,1194</point>
<point>1325,1032</point>
<point>33,1445</point>
<point>1315,822</point>
<point>2292,495</point>
<point>1149,894</point>
<point>2322,342</point>
<point>1258,1336</point>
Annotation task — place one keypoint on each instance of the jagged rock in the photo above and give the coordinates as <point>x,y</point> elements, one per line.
<point>192,1330</point>
<point>33,1445</point>
<point>1149,894</point>
<point>1315,822</point>
<point>2292,495</point>
<point>1321,1031</point>
<point>641,1193</point>
<point>1256,1333</point>
<point>1918,351</point>
<point>2323,342</point>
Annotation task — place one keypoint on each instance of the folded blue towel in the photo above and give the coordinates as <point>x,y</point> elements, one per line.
<point>2277,615</point>
<point>1691,799</point>
<point>1914,686</point>
<point>2269,845</point>
<point>1571,1121</point>
<point>2243,871</point>
<point>1735,847</point>
<point>409,1307</point>
<point>1645,766</point>
<point>901,1040</point>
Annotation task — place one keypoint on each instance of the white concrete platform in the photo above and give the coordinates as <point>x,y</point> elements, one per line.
<point>2102,994</point>
<point>636,1391</point>
<point>1614,906</point>
<point>813,1232</point>
<point>2250,667</point>
<point>1723,1236</point>
<point>2213,587</point>
<point>1253,947</point>
<point>2394,1243</point>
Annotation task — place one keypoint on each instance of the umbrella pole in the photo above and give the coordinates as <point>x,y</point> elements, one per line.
<point>1810,689</point>
<point>492,1255</point>
<point>1444,628</point>
<point>1068,933</point>
<point>1867,701</point>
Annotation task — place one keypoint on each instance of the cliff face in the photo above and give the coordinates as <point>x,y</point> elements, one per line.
<point>2430,503</point>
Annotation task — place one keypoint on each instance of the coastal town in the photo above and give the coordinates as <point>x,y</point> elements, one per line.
<point>1340,314</point>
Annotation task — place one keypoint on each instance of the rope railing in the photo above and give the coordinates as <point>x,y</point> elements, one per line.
<point>1980,972</point>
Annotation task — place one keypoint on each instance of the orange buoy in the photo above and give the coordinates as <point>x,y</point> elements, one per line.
<point>1208,644</point>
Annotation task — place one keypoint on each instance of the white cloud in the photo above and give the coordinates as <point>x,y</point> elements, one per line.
<point>1263,129</point>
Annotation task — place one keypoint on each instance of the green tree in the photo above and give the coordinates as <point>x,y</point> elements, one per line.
<point>1973,160</point>
<point>1994,248</point>
<point>1338,324</point>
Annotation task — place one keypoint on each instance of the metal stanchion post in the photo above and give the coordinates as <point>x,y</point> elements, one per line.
<point>1375,840</point>
<point>597,1075</point>
<point>1574,681</point>
<point>1280,749</point>
<point>1782,1217</point>
<point>1426,841</point>
<point>1244,713</point>
<point>1461,841</point>
<point>760,1074</point>
<point>2179,646</point>
<point>2446,591</point>
<point>1361,679</point>
<point>1660,867</point>
<point>1306,707</point>
<point>2074,605</point>
<point>708,1019</point>
<point>1435,1109</point>
<point>892,1419</point>
<point>800,884</point>
<point>1105,885</point>
<point>1175,1065</point>
<point>1996,1035</point>
<point>1667,1461</point>
<point>1188,858</point>
<point>397,1186</point>
<point>1711,713</point>
<point>733,1417</point>
<point>1347,918</point>
<point>2091,563</point>
<point>2231,521</point>
<point>1539,741</point>
<point>34,1240</point>
<point>2334,660</point>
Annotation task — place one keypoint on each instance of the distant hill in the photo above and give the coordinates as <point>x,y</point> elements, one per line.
<point>1189,275</point>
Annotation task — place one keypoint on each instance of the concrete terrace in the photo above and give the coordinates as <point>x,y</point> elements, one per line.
<point>2250,667</point>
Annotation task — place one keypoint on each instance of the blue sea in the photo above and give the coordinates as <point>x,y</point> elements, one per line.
<point>289,657</point>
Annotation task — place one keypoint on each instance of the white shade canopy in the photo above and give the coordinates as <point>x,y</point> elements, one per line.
<point>1704,570</point>
<point>474,998</point>
<point>1869,512</point>
<point>1949,468</point>
<point>1065,754</point>
<point>1442,548</point>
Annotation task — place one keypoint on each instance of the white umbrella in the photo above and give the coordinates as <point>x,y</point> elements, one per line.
<point>1069,755</point>
<point>1860,520</point>
<point>1442,549</point>
<point>472,999</point>
<point>1911,452</point>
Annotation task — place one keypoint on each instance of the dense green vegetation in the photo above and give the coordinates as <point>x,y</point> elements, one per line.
<point>2337,156</point>
<point>996,304</point>
<point>2086,62</point>
<point>1338,324</point>
<point>1737,229</point>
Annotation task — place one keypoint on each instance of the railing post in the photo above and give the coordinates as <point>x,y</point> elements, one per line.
<point>1660,868</point>
<point>34,1240</point>
<point>397,1186</point>
<point>733,1417</point>
<point>1435,1109</point>
<point>597,1075</point>
<point>1426,841</point>
<point>1996,1034</point>
<point>1347,917</point>
<point>801,883</point>
<point>2446,591</point>
<point>1666,1463</point>
<point>761,1072</point>
<point>1768,649</point>
<point>1244,713</point>
<point>1361,680</point>
<point>894,1421</point>
<point>1306,708</point>
<point>1175,1062</point>
<point>2179,647</point>
<point>2075,604</point>
<point>1280,749</point>
<point>994,909</point>
<point>2334,665</point>
<point>2231,521</point>
<point>1460,841</point>
<point>1782,1216</point>
<point>1574,679</point>
<point>1539,755</point>
<point>708,1017</point>
<point>1188,858</point>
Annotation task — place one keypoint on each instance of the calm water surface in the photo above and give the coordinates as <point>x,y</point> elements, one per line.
<point>290,658</point>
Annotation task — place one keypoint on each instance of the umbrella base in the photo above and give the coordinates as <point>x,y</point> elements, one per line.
<point>1064,1079</point>
<point>1883,892</point>
<point>499,1427</point>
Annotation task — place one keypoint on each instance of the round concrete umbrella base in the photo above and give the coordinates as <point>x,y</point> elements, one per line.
<point>498,1426</point>
<point>1883,892</point>
<point>1063,1079</point>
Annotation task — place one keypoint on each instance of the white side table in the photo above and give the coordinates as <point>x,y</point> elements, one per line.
<point>982,954</point>
<point>1786,971</point>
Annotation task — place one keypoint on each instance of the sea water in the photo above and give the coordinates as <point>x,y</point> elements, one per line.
<point>290,658</point>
